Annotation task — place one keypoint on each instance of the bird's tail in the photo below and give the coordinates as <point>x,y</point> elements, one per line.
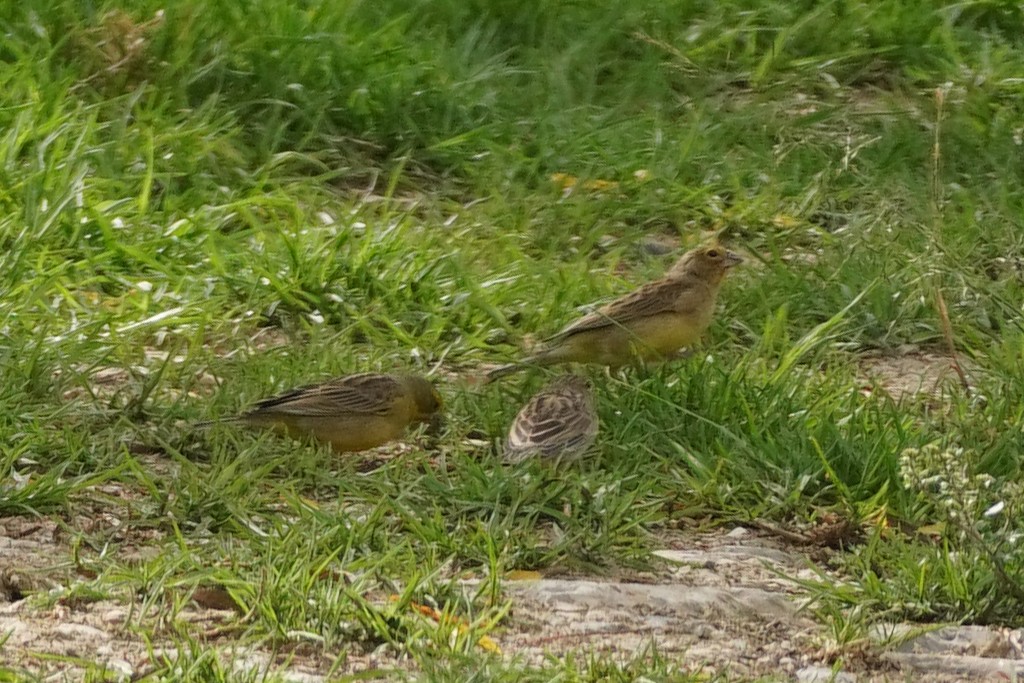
<point>218,421</point>
<point>550,356</point>
<point>502,371</point>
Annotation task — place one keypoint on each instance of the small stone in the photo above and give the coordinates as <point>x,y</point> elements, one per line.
<point>702,631</point>
<point>170,653</point>
<point>738,532</point>
<point>121,666</point>
<point>657,246</point>
<point>823,674</point>
<point>114,617</point>
<point>253,662</point>
<point>13,607</point>
<point>731,553</point>
<point>958,640</point>
<point>966,667</point>
<point>16,631</point>
<point>682,601</point>
<point>79,631</point>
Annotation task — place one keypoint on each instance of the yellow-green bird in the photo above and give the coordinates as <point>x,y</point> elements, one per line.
<point>351,413</point>
<point>650,324</point>
<point>559,421</point>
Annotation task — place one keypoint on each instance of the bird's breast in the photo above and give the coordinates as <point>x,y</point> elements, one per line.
<point>665,334</point>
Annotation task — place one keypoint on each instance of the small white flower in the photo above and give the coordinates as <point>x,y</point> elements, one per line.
<point>995,509</point>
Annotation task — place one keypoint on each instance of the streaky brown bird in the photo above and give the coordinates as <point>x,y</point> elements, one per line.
<point>650,324</point>
<point>559,421</point>
<point>351,413</point>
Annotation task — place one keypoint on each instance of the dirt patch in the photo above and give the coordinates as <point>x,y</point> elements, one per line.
<point>722,601</point>
<point>106,382</point>
<point>29,557</point>
<point>745,631</point>
<point>907,375</point>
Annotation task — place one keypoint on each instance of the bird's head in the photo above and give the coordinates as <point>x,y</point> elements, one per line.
<point>425,395</point>
<point>572,383</point>
<point>709,263</point>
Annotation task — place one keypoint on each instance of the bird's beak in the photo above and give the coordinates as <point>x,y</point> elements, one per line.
<point>732,259</point>
<point>435,423</point>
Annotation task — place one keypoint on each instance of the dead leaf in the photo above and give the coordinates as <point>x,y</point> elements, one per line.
<point>216,597</point>
<point>485,643</point>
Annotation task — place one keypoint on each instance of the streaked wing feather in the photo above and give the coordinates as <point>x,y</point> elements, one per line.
<point>578,441</point>
<point>651,299</point>
<point>552,423</point>
<point>365,394</point>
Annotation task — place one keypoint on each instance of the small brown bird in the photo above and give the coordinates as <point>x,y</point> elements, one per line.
<point>351,413</point>
<point>558,421</point>
<point>650,324</point>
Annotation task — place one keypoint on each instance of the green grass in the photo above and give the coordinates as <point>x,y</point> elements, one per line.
<point>205,206</point>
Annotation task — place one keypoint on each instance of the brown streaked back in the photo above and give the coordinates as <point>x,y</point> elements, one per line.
<point>560,420</point>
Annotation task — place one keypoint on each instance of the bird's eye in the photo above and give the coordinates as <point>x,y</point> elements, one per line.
<point>713,253</point>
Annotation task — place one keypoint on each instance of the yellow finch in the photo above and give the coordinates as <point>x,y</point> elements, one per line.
<point>558,421</point>
<point>650,324</point>
<point>351,413</point>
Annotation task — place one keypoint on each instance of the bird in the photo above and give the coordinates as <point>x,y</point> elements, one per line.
<point>559,421</point>
<point>649,324</point>
<point>351,413</point>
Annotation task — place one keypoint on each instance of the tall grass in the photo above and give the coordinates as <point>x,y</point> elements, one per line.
<point>203,203</point>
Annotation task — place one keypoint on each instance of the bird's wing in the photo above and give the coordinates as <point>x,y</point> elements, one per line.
<point>552,422</point>
<point>365,394</point>
<point>653,298</point>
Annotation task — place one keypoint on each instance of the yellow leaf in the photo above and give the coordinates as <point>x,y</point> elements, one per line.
<point>523,575</point>
<point>484,642</point>
<point>567,182</point>
<point>935,530</point>
<point>488,645</point>
<point>785,221</point>
<point>600,185</point>
<point>564,180</point>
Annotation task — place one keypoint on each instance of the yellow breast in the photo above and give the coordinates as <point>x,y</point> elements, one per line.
<point>663,335</point>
